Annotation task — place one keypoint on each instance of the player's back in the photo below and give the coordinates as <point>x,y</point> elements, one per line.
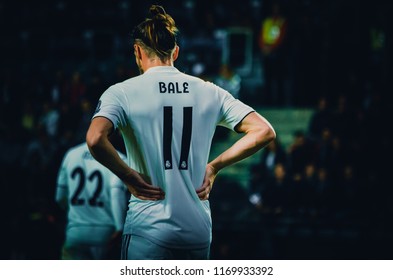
<point>167,120</point>
<point>88,186</point>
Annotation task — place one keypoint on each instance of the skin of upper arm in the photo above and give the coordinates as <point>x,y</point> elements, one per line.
<point>252,122</point>
<point>99,127</point>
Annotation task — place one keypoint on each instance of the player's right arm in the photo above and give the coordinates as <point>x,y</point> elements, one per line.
<point>105,153</point>
<point>61,195</point>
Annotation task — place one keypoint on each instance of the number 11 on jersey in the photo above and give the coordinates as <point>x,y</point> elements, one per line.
<point>185,141</point>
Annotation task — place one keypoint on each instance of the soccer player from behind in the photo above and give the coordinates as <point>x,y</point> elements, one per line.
<point>96,203</point>
<point>167,120</point>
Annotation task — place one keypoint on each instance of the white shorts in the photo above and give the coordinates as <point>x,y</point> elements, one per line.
<point>86,242</point>
<point>135,247</point>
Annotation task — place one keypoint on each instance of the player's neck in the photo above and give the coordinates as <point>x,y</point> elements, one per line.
<point>154,62</point>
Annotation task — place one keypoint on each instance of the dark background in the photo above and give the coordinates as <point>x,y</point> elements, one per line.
<point>57,58</point>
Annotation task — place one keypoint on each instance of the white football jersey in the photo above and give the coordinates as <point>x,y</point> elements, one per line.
<point>168,119</point>
<point>95,196</point>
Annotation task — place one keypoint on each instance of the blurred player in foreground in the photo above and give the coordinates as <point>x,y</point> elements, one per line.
<point>96,203</point>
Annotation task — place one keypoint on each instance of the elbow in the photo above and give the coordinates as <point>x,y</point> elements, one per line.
<point>266,135</point>
<point>271,134</point>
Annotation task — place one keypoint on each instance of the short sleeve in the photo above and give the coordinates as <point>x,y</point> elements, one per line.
<point>233,110</point>
<point>109,106</point>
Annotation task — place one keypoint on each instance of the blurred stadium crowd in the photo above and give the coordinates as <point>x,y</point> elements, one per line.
<point>326,196</point>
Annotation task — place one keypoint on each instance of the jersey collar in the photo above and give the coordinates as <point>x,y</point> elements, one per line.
<point>157,69</point>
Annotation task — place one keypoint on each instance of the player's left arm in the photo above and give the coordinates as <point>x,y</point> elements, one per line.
<point>119,203</point>
<point>257,133</point>
<point>119,209</point>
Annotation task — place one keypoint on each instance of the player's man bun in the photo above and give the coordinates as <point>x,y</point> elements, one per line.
<point>157,32</point>
<point>156,11</point>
